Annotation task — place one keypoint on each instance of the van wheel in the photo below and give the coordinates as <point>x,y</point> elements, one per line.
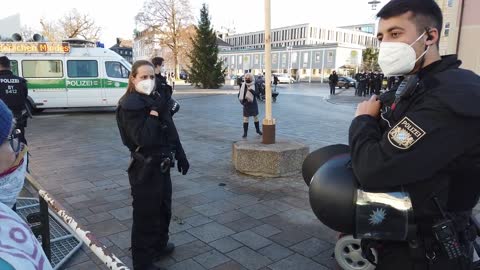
<point>347,86</point>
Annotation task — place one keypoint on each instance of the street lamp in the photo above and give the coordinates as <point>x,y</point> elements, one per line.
<point>374,4</point>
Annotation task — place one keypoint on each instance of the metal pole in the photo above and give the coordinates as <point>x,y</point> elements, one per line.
<point>268,122</point>
<point>289,63</point>
<point>323,64</point>
<point>311,71</point>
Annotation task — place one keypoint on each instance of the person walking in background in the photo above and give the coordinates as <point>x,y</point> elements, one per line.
<point>275,82</point>
<point>247,97</point>
<point>332,81</point>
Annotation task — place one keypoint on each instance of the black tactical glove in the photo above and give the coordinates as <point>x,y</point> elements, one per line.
<point>156,102</point>
<point>183,165</point>
<point>173,106</point>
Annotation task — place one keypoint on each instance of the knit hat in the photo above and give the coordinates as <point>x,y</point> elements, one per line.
<point>6,119</point>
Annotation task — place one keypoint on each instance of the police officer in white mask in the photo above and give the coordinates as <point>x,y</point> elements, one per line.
<point>431,146</point>
<point>146,128</point>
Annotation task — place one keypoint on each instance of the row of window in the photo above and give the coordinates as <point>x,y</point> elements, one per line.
<point>124,52</point>
<point>294,55</point>
<point>75,69</point>
<point>280,38</point>
<point>278,35</point>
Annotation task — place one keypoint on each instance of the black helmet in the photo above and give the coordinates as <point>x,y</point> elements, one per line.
<point>339,203</point>
<point>318,157</point>
<point>333,194</point>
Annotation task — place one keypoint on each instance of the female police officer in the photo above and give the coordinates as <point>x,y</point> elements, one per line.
<point>146,128</point>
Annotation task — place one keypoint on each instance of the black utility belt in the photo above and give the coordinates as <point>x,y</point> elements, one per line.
<point>163,160</point>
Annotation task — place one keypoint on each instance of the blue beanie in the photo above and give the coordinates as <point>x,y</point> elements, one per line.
<point>6,119</point>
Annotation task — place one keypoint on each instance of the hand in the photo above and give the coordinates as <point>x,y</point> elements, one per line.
<point>183,165</point>
<point>154,113</point>
<point>369,107</point>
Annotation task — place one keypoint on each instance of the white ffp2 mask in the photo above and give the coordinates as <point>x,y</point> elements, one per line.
<point>145,87</point>
<point>398,58</point>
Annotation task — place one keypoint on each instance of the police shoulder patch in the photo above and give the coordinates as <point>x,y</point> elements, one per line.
<point>405,134</point>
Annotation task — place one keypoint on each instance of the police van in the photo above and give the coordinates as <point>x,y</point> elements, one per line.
<point>72,73</point>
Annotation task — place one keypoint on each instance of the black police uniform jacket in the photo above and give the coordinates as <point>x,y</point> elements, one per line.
<point>13,91</point>
<point>140,129</point>
<point>161,85</point>
<point>432,147</point>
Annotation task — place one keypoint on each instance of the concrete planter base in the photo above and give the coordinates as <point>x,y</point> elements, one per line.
<point>268,160</point>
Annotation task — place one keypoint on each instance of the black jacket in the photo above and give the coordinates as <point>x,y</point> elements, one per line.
<point>433,145</point>
<point>13,91</point>
<point>333,78</point>
<point>138,128</point>
<point>162,85</point>
<point>250,108</point>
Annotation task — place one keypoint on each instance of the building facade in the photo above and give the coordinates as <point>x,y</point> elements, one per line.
<point>461,31</point>
<point>146,45</point>
<point>305,63</point>
<point>367,28</point>
<point>124,49</point>
<point>9,25</point>
<point>305,52</point>
<point>301,35</point>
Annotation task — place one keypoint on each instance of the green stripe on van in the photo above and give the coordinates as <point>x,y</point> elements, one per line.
<point>74,83</point>
<point>113,84</point>
<point>47,83</point>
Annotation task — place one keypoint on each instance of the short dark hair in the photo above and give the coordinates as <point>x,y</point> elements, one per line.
<point>157,61</point>
<point>4,62</point>
<point>426,13</point>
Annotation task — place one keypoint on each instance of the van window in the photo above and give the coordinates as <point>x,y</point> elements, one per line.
<point>82,68</point>
<point>14,67</point>
<point>116,70</point>
<point>42,68</point>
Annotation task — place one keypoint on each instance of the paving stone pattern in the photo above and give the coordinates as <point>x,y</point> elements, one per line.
<point>221,219</point>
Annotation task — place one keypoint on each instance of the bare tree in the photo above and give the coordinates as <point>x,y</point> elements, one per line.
<point>72,24</point>
<point>75,24</point>
<point>51,31</point>
<point>168,19</point>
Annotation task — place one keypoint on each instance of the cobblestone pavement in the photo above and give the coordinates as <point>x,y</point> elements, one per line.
<point>221,219</point>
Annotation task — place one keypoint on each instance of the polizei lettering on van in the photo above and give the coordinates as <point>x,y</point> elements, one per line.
<point>83,83</point>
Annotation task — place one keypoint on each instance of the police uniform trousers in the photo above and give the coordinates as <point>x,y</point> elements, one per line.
<point>152,211</point>
<point>398,256</point>
<point>20,126</point>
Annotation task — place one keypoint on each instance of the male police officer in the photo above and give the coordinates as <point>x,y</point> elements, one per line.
<point>432,146</point>
<point>161,81</point>
<point>13,91</point>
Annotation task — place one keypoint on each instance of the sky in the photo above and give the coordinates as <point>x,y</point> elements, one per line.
<point>116,18</point>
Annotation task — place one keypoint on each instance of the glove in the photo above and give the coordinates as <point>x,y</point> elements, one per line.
<point>173,106</point>
<point>183,165</point>
<point>156,102</point>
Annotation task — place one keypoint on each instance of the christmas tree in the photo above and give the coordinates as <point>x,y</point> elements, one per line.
<point>206,70</point>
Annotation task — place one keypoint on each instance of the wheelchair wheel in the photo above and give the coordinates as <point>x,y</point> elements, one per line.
<point>348,254</point>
